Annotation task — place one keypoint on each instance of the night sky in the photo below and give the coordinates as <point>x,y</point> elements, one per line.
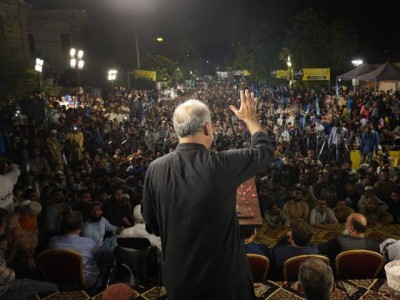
<point>214,23</point>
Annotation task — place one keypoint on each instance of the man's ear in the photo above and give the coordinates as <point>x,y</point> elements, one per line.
<point>297,287</point>
<point>207,128</point>
<point>333,287</point>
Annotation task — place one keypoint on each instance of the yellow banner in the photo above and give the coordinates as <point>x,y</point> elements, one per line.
<point>281,74</point>
<point>316,74</point>
<point>143,74</point>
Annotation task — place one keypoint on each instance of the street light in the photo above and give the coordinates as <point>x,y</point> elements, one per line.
<point>112,75</point>
<point>39,65</point>
<point>76,62</point>
<point>39,68</point>
<point>356,63</point>
<point>289,65</point>
<point>76,59</point>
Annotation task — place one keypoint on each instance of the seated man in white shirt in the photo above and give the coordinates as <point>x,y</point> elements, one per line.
<point>322,216</point>
<point>139,230</point>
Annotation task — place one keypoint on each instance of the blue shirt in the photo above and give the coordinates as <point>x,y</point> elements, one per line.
<point>86,247</point>
<point>284,252</point>
<point>97,230</point>
<point>254,248</point>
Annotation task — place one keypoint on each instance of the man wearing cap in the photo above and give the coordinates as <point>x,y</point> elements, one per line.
<point>353,238</point>
<point>369,192</point>
<point>139,229</point>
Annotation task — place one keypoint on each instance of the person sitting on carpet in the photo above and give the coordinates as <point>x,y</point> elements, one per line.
<point>342,210</point>
<point>374,213</point>
<point>275,217</point>
<point>316,279</point>
<point>248,235</point>
<point>322,216</point>
<point>297,209</point>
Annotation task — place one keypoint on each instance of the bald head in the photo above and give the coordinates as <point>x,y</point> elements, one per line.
<point>358,222</point>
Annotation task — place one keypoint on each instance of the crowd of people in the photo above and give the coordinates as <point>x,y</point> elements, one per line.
<point>72,176</point>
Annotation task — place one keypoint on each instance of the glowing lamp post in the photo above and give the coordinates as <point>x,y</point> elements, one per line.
<point>289,70</point>
<point>112,75</point>
<point>76,59</point>
<point>356,63</point>
<point>39,68</point>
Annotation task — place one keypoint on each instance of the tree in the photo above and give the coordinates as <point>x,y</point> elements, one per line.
<point>260,54</point>
<point>344,43</point>
<point>313,42</point>
<point>16,80</point>
<point>166,68</point>
<point>308,40</point>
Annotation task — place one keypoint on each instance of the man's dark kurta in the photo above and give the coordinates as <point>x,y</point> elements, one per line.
<point>190,201</point>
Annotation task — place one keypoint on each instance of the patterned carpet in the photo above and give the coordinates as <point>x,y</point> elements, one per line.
<point>349,289</point>
<point>367,289</point>
<point>269,237</point>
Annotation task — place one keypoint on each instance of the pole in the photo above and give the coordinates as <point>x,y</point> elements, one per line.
<point>137,47</point>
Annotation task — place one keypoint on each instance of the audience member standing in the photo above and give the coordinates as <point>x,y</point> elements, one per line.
<point>369,144</point>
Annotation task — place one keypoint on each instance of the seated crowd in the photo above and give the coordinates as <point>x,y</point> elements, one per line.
<point>77,183</point>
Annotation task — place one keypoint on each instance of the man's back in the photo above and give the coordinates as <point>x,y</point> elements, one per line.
<point>86,247</point>
<point>189,199</point>
<point>345,242</point>
<point>206,188</point>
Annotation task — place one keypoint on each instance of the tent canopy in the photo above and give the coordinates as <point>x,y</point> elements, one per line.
<point>361,69</point>
<point>385,72</point>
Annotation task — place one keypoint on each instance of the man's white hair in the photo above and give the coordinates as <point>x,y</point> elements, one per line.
<point>189,117</point>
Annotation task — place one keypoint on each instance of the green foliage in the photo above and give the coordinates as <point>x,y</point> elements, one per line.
<point>16,80</point>
<point>308,40</point>
<point>260,53</point>
<point>313,42</point>
<point>166,68</point>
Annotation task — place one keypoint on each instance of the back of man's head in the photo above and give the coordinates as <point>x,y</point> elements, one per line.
<point>301,233</point>
<point>189,118</point>
<point>359,222</point>
<point>73,221</point>
<point>316,279</point>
